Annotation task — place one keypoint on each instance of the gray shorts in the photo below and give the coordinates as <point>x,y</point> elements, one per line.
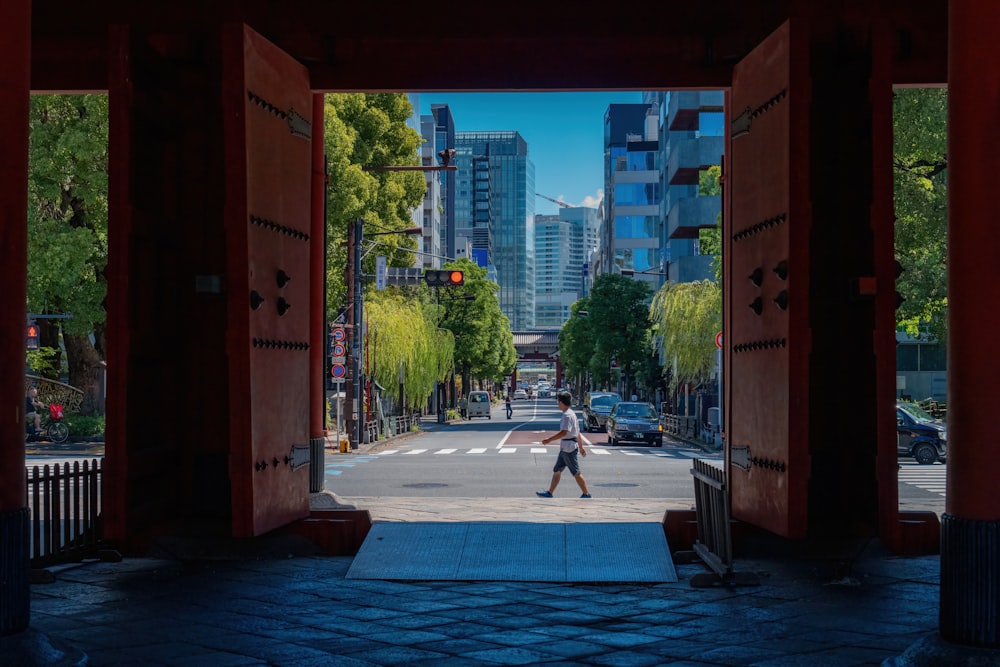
<point>568,460</point>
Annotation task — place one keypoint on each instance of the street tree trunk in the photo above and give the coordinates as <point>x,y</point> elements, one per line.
<point>84,370</point>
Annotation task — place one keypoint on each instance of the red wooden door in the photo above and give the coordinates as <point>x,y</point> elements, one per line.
<point>267,129</point>
<point>766,311</point>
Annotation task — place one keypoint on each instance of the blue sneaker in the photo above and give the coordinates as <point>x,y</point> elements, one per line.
<point>543,494</point>
<point>585,495</point>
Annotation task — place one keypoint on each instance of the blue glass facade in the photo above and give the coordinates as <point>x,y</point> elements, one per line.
<point>495,200</point>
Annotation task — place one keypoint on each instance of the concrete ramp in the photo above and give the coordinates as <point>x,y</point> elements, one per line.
<point>515,551</point>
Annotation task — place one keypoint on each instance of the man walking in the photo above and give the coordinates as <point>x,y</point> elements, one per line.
<point>568,436</point>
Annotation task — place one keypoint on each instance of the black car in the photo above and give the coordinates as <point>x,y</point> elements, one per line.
<point>920,435</point>
<point>596,408</point>
<point>634,422</point>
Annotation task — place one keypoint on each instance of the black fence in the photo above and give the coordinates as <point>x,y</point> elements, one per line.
<point>65,506</point>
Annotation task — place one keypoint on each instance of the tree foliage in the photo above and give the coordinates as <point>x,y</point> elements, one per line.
<point>403,337</point>
<point>688,316</point>
<point>617,320</point>
<point>920,169</point>
<point>68,229</point>
<point>369,130</point>
<point>484,345</point>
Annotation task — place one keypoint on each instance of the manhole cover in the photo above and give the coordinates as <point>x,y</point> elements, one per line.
<point>616,484</point>
<point>424,485</point>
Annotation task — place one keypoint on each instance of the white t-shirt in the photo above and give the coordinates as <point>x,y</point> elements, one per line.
<point>569,423</point>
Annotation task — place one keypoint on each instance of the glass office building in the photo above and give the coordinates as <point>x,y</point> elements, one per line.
<point>495,208</point>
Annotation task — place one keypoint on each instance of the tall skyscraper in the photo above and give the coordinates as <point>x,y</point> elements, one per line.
<point>691,141</point>
<point>632,239</point>
<point>561,250</point>
<point>495,207</point>
<point>445,139</point>
<point>429,215</point>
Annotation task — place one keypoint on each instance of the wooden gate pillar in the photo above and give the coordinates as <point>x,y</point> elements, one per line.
<point>15,85</point>
<point>970,540</point>
<point>809,290</point>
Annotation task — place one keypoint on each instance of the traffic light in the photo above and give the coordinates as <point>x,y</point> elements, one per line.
<point>444,278</point>
<point>31,338</point>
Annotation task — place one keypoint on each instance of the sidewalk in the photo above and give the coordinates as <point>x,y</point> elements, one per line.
<point>280,604</point>
<point>278,601</point>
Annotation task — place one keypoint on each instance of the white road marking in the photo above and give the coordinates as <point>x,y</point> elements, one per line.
<point>415,451</point>
<point>508,450</point>
<point>539,450</point>
<point>446,451</point>
<point>479,450</point>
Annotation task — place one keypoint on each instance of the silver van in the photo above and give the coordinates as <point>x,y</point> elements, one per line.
<point>479,404</point>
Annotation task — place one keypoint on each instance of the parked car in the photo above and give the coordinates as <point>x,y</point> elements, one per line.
<point>479,404</point>
<point>920,435</point>
<point>520,395</point>
<point>596,408</point>
<point>634,422</point>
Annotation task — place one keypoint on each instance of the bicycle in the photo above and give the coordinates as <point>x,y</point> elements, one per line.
<point>53,427</point>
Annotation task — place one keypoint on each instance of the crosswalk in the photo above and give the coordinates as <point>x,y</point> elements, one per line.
<point>673,453</point>
<point>927,477</point>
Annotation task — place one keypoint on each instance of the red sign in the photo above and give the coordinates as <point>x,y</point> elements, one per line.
<point>718,340</point>
<point>338,371</point>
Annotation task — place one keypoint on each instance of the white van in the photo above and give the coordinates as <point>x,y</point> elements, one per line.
<point>479,404</point>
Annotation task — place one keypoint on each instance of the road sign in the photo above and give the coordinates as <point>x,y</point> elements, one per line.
<point>338,350</point>
<point>718,340</point>
<point>338,334</point>
<point>338,371</point>
<point>381,275</point>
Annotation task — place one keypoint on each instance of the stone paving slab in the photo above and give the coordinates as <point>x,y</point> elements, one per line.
<point>514,551</point>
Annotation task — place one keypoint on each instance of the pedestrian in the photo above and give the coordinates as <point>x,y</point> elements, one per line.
<point>569,445</point>
<point>510,408</point>
<point>33,410</point>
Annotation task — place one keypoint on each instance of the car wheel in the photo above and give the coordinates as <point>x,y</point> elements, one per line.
<point>925,454</point>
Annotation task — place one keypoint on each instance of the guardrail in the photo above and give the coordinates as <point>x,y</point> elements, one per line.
<point>65,506</point>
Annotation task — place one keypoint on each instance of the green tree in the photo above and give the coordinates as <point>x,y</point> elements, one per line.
<point>687,317</point>
<point>403,336</point>
<point>369,130</point>
<point>920,170</point>
<point>576,343</point>
<point>484,345</point>
<point>618,317</point>
<point>68,230</point>
<point>710,240</point>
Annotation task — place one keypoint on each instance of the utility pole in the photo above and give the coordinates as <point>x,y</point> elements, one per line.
<point>356,340</point>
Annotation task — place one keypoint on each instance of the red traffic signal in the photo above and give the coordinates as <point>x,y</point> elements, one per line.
<point>444,278</point>
<point>31,337</point>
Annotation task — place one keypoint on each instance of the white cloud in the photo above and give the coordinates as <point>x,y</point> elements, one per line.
<point>593,201</point>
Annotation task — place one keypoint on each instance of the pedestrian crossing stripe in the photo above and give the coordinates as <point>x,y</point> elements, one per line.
<point>539,450</point>
<point>415,451</point>
<point>446,451</point>
<point>480,450</point>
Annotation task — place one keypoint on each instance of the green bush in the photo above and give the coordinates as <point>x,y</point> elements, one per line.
<point>83,426</point>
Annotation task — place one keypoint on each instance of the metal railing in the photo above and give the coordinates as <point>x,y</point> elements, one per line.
<point>65,506</point>
<point>711,496</point>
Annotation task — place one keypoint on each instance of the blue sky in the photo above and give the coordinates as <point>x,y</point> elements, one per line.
<point>564,131</point>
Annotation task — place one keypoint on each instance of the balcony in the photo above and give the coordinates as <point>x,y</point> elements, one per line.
<point>690,156</point>
<point>691,214</point>
<point>684,106</point>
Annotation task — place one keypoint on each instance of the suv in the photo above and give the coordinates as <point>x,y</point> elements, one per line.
<point>596,408</point>
<point>920,435</point>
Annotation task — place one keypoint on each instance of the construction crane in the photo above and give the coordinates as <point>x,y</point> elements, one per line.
<point>554,201</point>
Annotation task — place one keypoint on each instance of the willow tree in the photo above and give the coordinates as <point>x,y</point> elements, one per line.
<point>404,341</point>
<point>688,316</point>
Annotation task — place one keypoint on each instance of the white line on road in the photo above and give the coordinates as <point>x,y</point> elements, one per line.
<point>415,451</point>
<point>446,451</point>
<point>478,450</point>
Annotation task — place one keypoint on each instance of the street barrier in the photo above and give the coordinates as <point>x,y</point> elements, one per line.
<point>714,545</point>
<point>65,507</point>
